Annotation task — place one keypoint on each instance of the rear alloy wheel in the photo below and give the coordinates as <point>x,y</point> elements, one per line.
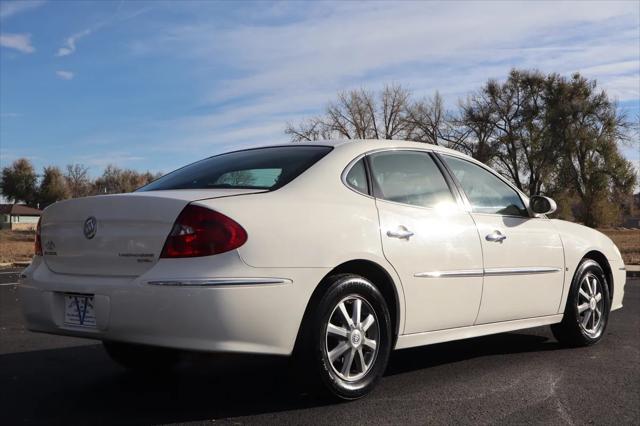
<point>352,338</point>
<point>346,339</point>
<point>587,311</point>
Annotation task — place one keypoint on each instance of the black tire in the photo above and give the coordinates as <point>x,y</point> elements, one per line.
<point>142,358</point>
<point>355,378</point>
<point>573,331</point>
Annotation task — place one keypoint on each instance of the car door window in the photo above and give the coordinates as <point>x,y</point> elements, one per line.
<point>485,191</point>
<point>409,177</point>
<point>357,177</point>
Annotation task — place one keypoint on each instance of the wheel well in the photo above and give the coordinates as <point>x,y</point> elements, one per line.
<point>372,272</point>
<point>604,264</point>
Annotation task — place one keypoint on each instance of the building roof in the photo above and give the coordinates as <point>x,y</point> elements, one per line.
<point>19,210</point>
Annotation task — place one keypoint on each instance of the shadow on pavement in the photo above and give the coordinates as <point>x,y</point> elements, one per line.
<point>81,385</point>
<point>406,360</point>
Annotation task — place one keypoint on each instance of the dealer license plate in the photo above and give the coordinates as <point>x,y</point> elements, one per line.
<point>79,310</point>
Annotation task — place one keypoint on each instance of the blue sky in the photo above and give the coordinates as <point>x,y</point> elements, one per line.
<point>155,85</point>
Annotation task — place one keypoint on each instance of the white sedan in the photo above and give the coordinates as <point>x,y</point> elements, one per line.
<point>333,252</point>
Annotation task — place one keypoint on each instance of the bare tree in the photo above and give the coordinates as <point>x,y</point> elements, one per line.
<point>428,121</point>
<point>359,114</point>
<point>472,132</point>
<point>78,180</point>
<point>546,133</point>
<point>507,125</point>
<point>115,180</point>
<point>312,129</point>
<point>590,127</point>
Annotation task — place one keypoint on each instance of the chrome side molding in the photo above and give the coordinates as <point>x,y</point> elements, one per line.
<point>520,271</point>
<point>491,272</point>
<point>451,274</point>
<point>210,282</point>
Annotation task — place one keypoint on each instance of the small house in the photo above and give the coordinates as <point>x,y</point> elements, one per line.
<point>19,217</point>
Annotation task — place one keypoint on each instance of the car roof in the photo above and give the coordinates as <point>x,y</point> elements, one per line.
<point>384,143</point>
<point>362,146</point>
<point>367,145</point>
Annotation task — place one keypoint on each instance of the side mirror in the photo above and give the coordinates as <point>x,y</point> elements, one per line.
<point>542,205</point>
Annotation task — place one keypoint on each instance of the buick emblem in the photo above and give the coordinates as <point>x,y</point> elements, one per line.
<point>90,227</point>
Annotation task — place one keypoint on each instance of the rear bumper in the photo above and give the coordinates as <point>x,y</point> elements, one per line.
<point>254,311</point>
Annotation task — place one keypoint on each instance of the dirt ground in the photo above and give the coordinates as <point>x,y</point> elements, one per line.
<point>628,241</point>
<point>18,245</point>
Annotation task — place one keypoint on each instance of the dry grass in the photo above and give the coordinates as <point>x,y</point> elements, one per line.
<point>16,245</point>
<point>628,241</point>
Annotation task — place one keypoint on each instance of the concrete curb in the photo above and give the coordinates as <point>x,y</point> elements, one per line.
<point>633,271</point>
<point>18,264</point>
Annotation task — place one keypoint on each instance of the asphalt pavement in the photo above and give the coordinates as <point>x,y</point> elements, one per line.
<point>523,377</point>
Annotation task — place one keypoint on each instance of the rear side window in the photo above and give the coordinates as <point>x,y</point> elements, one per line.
<point>409,177</point>
<point>262,168</point>
<point>486,192</point>
<point>357,177</point>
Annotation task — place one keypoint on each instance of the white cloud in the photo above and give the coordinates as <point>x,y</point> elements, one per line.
<point>101,160</point>
<point>294,68</point>
<point>69,46</point>
<point>70,43</point>
<point>451,47</point>
<point>10,8</point>
<point>19,42</point>
<point>10,115</point>
<point>65,75</point>
<point>289,69</point>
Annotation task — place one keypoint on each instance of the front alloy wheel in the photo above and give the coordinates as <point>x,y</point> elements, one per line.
<point>587,310</point>
<point>590,305</point>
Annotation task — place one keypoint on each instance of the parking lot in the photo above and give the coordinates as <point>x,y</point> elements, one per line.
<point>514,378</point>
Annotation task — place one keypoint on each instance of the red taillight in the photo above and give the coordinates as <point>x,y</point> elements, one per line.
<point>38,242</point>
<point>199,231</point>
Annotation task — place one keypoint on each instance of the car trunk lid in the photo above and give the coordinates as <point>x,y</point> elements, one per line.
<point>115,235</point>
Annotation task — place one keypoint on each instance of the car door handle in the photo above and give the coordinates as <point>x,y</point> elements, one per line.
<point>401,232</point>
<point>496,236</point>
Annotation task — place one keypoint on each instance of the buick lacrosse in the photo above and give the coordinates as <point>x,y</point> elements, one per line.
<point>333,252</point>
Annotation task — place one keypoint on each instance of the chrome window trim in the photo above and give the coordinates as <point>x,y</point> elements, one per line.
<point>345,172</point>
<point>381,200</point>
<point>455,193</point>
<point>211,282</point>
<point>509,215</point>
<point>487,168</point>
<point>523,197</point>
<point>489,272</point>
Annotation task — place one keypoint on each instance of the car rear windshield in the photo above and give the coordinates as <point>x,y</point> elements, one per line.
<point>261,168</point>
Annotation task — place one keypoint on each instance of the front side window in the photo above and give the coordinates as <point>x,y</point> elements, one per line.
<point>409,177</point>
<point>485,191</point>
<point>262,168</point>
